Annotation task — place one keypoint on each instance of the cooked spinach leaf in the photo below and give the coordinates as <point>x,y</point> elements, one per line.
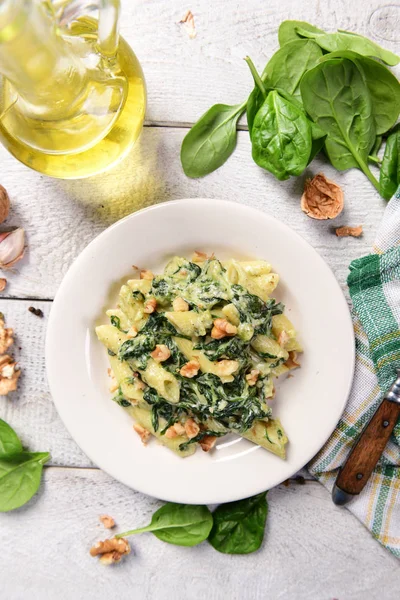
<point>255,311</point>
<point>229,347</point>
<point>200,436</point>
<point>137,350</point>
<point>116,322</point>
<point>120,399</point>
<point>239,526</point>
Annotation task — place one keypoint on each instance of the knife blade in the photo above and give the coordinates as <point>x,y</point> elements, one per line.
<point>362,459</point>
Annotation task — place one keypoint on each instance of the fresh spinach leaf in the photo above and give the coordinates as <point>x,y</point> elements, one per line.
<point>281,137</point>
<point>239,526</point>
<point>318,137</point>
<point>211,140</point>
<point>346,40</point>
<point>257,96</point>
<point>389,177</point>
<point>20,475</point>
<point>373,155</point>
<point>179,524</point>
<point>383,87</point>
<point>9,441</point>
<point>336,97</point>
<point>287,66</point>
<point>287,31</point>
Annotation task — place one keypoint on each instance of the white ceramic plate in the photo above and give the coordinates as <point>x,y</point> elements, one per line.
<point>308,404</point>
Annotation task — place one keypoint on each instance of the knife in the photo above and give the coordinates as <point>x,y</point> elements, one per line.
<point>363,457</point>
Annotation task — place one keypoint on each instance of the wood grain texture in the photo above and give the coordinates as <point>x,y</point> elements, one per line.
<point>312,550</point>
<point>62,217</point>
<point>368,450</point>
<point>30,410</point>
<point>186,76</point>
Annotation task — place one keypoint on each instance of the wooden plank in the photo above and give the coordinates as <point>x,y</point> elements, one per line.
<point>30,410</point>
<point>312,549</point>
<point>186,76</point>
<point>62,217</point>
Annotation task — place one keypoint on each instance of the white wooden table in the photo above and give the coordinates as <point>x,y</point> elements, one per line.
<point>312,550</point>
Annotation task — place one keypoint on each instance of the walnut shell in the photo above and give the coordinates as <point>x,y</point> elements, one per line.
<point>322,198</point>
<point>4,204</point>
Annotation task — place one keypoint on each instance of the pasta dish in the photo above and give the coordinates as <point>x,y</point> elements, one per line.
<point>194,353</point>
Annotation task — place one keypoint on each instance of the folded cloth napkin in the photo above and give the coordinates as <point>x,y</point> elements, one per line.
<point>374,285</point>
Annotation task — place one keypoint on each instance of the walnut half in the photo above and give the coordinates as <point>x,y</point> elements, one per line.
<point>322,198</point>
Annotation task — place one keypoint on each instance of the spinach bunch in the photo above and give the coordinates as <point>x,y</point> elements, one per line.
<point>20,471</point>
<point>320,91</point>
<point>233,528</point>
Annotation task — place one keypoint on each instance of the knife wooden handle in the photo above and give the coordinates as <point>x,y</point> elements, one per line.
<point>367,451</point>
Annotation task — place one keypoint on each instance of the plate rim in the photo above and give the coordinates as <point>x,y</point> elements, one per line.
<point>70,274</point>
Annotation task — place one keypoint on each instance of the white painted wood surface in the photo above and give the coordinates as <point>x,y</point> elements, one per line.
<point>312,549</point>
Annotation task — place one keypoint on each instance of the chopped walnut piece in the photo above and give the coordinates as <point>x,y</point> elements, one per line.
<point>160,353</point>
<point>191,428</point>
<point>143,433</point>
<point>188,22</point>
<point>107,521</point>
<point>225,367</point>
<point>201,256</point>
<point>252,377</point>
<point>150,306</point>
<point>111,551</point>
<point>6,336</point>
<point>132,332</point>
<point>145,274</point>
<point>346,231</point>
<point>180,305</point>
<point>283,338</point>
<point>190,369</point>
<point>9,374</point>
<point>291,362</point>
<point>208,442</point>
<point>322,198</point>
<point>139,383</point>
<point>175,430</point>
<point>222,328</point>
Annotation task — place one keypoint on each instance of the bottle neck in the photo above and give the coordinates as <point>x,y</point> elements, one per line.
<point>36,60</point>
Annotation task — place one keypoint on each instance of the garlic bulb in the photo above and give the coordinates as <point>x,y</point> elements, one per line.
<point>12,245</point>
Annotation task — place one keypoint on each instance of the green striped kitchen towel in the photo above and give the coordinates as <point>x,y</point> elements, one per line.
<point>374,285</point>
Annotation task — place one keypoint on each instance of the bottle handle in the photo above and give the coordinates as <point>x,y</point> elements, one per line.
<point>67,11</point>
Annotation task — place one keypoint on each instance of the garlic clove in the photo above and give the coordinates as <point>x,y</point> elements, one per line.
<point>12,244</point>
<point>3,283</point>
